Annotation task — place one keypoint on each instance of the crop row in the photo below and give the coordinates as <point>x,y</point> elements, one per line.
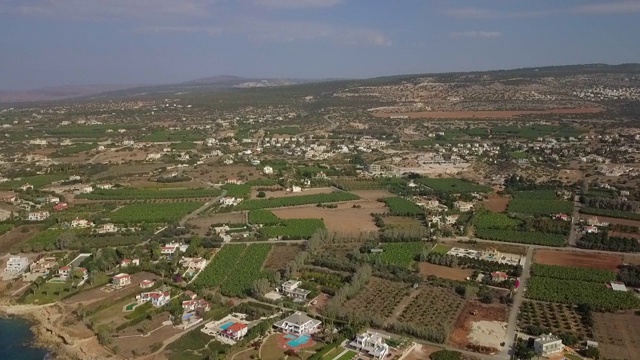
<point>255,204</point>
<point>580,292</point>
<point>237,190</point>
<point>523,237</point>
<point>401,254</point>
<point>262,217</point>
<point>488,220</point>
<point>147,194</point>
<point>612,213</point>
<point>402,207</point>
<point>573,273</point>
<point>294,228</point>
<point>153,213</point>
<point>221,266</point>
<point>539,207</point>
<point>246,271</point>
<point>535,194</point>
<point>455,186</point>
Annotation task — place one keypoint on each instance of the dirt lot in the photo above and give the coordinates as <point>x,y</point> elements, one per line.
<point>617,335</point>
<point>496,203</point>
<point>627,235</point>
<point>119,157</point>
<point>122,170</point>
<point>633,259</point>
<point>612,220</point>
<point>204,222</point>
<point>401,221</point>
<point>280,255</point>
<point>421,352</point>
<point>284,193</point>
<point>345,219</point>
<point>464,325</point>
<point>372,194</point>
<point>579,259</point>
<point>16,236</point>
<point>445,272</point>
<point>498,114</point>
<point>142,344</point>
<point>97,294</point>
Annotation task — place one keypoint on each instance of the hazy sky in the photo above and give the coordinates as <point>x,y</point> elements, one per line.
<point>62,42</point>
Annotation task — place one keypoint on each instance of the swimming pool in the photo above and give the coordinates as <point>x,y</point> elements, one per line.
<point>299,341</point>
<point>227,325</point>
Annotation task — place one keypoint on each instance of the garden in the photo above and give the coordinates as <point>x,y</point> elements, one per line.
<point>402,207</point>
<point>148,194</point>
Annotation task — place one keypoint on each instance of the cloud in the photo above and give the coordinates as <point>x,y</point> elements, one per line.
<point>102,9</point>
<point>475,35</point>
<point>623,7</point>
<point>291,4</point>
<point>283,31</point>
<point>482,13</point>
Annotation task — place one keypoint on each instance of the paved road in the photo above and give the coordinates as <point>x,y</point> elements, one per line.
<point>517,302</point>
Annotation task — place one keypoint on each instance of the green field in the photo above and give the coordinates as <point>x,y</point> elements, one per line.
<point>75,149</point>
<point>451,185</point>
<point>523,237</point>
<point>488,220</point>
<point>148,194</point>
<point>293,228</point>
<point>441,249</point>
<point>262,217</point>
<point>255,204</point>
<point>611,213</point>
<point>402,207</point>
<point>5,228</point>
<point>400,254</point>
<point>168,135</point>
<point>37,181</point>
<point>535,194</point>
<point>539,207</point>
<point>153,213</point>
<point>237,190</point>
<point>573,273</point>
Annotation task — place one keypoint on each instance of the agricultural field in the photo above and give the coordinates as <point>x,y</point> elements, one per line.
<point>263,217</point>
<point>402,207</point>
<point>539,207</point>
<point>237,190</point>
<point>617,335</point>
<point>375,184</point>
<point>168,135</point>
<point>149,194</point>
<point>293,228</point>
<point>255,204</point>
<point>522,237</point>
<point>434,308</point>
<point>535,195</point>
<point>280,255</point>
<point>597,295</point>
<point>553,318</point>
<point>234,268</point>
<point>153,213</point>
<point>579,259</point>
<point>427,269</point>
<point>74,149</point>
<point>370,304</point>
<point>5,228</point>
<point>452,185</point>
<point>38,181</point>
<point>401,222</point>
<point>45,240</point>
<point>610,213</point>
<point>573,273</point>
<point>496,203</point>
<point>487,220</point>
<point>400,254</point>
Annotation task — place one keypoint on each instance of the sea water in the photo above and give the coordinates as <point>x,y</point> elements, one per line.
<point>16,341</point>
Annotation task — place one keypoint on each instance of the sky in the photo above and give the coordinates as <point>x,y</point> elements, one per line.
<point>78,42</point>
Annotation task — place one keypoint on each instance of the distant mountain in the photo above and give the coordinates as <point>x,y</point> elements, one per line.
<point>222,81</point>
<point>59,92</point>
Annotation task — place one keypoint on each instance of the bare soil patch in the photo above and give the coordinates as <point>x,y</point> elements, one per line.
<point>496,203</point>
<point>372,194</point>
<point>132,347</point>
<point>203,223</point>
<point>119,157</point>
<point>129,169</point>
<point>319,303</point>
<point>280,255</point>
<point>445,272</point>
<point>460,336</point>
<point>421,352</point>
<point>284,193</point>
<point>617,335</point>
<point>627,235</point>
<point>579,259</point>
<point>401,221</point>
<point>345,219</point>
<point>633,259</point>
<point>17,236</point>
<point>496,114</point>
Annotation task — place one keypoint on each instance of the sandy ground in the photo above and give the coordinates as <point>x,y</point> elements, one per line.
<point>617,335</point>
<point>16,236</point>
<point>119,157</point>
<point>280,255</point>
<point>464,325</point>
<point>488,333</point>
<point>421,352</point>
<point>579,259</point>
<point>445,272</point>
<point>204,222</point>
<point>486,114</point>
<point>284,193</point>
<point>345,219</point>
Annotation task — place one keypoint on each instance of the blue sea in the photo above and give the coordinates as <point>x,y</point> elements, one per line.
<point>16,341</point>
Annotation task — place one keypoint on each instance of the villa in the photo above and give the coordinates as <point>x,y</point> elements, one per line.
<point>157,298</point>
<point>145,284</point>
<point>547,345</point>
<point>371,343</point>
<point>235,332</point>
<point>291,289</point>
<point>193,305</point>
<point>38,215</point>
<point>299,324</point>
<point>121,280</point>
<point>17,264</point>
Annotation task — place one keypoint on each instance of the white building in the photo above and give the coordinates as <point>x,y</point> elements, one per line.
<point>157,298</point>
<point>298,323</point>
<point>463,206</point>
<point>121,279</point>
<point>106,228</point>
<point>547,345</point>
<point>38,215</point>
<point>268,170</point>
<point>78,223</point>
<point>371,343</point>
<point>292,289</point>
<point>17,264</point>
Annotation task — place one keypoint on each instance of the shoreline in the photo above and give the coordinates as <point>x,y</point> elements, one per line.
<point>52,337</point>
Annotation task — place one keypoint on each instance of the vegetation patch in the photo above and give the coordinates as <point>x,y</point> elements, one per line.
<point>402,207</point>
<point>539,207</point>
<point>154,213</point>
<point>452,185</point>
<point>148,194</point>
<point>255,204</point>
<point>523,237</point>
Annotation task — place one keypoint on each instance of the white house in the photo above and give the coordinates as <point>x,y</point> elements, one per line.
<point>157,298</point>
<point>17,264</point>
<point>463,205</point>
<point>296,188</point>
<point>145,284</point>
<point>547,345</point>
<point>106,228</point>
<point>268,170</point>
<point>291,289</point>
<point>298,323</point>
<point>38,215</point>
<point>121,279</point>
<point>78,223</point>
<point>371,343</point>
<point>85,189</point>
<point>129,262</point>
<point>193,305</point>
<point>235,332</point>
<point>171,248</point>
<point>230,201</point>
<point>104,186</point>
<point>193,263</point>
